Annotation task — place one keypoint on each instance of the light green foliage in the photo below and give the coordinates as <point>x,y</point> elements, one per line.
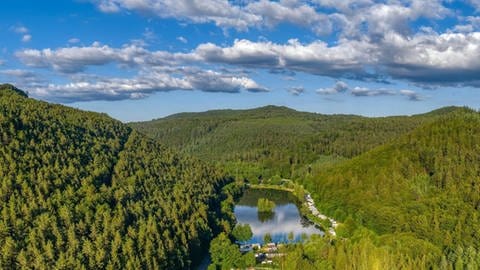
<point>242,232</point>
<point>406,189</point>
<point>264,205</point>
<point>425,186</point>
<point>224,254</point>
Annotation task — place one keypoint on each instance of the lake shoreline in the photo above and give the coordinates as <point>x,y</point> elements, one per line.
<point>327,225</point>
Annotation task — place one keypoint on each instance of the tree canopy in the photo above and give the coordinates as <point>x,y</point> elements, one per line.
<point>80,190</point>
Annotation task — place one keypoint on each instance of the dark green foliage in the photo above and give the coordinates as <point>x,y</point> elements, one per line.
<point>79,190</point>
<point>267,238</point>
<point>12,89</point>
<point>260,143</point>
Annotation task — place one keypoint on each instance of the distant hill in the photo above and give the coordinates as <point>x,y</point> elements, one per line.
<point>271,140</point>
<point>79,190</point>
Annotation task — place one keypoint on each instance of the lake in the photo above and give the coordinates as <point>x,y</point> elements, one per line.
<point>285,218</point>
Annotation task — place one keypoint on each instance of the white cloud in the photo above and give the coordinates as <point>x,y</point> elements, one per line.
<point>411,95</point>
<point>221,12</point>
<point>17,72</point>
<point>449,58</point>
<point>182,39</point>
<point>87,88</point>
<point>475,4</point>
<point>74,40</point>
<point>21,76</point>
<point>346,58</point>
<point>26,38</point>
<point>339,87</point>
<point>296,90</point>
<point>19,29</point>
<point>22,30</point>
<point>76,59</point>
<point>293,12</point>
<point>211,81</point>
<point>342,87</point>
<point>366,92</point>
<point>427,57</point>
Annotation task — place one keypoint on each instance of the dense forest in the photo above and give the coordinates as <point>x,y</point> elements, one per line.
<point>80,190</point>
<point>260,143</point>
<point>405,189</point>
<point>420,194</point>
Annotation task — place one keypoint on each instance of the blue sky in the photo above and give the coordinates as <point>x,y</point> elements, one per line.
<point>144,59</point>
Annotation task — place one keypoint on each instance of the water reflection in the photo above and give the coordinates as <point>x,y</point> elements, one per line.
<point>285,218</point>
<point>265,216</point>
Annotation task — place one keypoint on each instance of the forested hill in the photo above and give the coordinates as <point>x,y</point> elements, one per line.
<point>263,142</point>
<point>421,193</point>
<point>79,190</point>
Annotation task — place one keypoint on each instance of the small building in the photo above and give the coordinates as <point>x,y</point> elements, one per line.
<point>256,246</point>
<point>246,248</point>
<point>271,247</point>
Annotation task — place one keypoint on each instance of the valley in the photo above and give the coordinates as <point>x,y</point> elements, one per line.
<point>82,190</point>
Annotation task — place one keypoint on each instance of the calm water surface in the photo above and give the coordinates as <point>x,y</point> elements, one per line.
<point>285,218</point>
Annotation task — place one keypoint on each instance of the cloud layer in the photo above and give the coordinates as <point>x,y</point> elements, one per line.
<point>357,91</point>
<point>363,40</point>
<point>425,58</point>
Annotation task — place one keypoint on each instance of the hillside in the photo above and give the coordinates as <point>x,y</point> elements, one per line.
<point>79,190</point>
<point>263,142</point>
<point>406,189</point>
<point>419,194</point>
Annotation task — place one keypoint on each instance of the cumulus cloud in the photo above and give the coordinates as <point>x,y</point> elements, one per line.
<point>22,30</point>
<point>411,95</point>
<point>372,41</point>
<point>378,16</point>
<point>74,40</point>
<point>296,90</point>
<point>475,4</point>
<point>442,59</point>
<point>220,12</point>
<point>76,59</point>
<point>240,15</point>
<point>342,87</point>
<point>294,12</point>
<point>88,88</point>
<point>339,87</point>
<point>17,73</point>
<point>366,92</point>
<point>345,59</point>
<point>26,38</point>
<point>182,39</point>
<point>448,58</point>
<point>19,29</point>
<point>21,77</point>
<point>211,81</point>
